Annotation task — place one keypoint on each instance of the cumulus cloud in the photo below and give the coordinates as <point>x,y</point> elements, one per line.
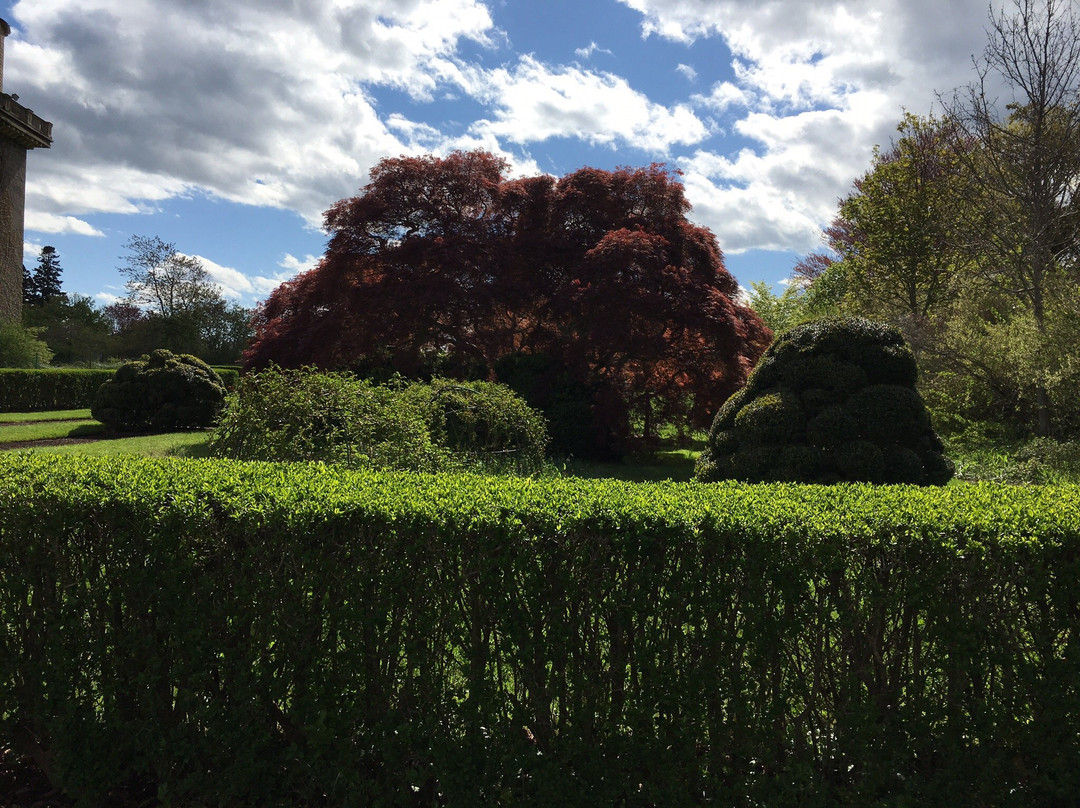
<point>248,100</point>
<point>686,71</point>
<point>534,102</point>
<point>107,298</point>
<point>297,265</point>
<point>589,50</point>
<point>237,286</point>
<point>817,84</point>
<point>255,102</point>
<point>51,223</point>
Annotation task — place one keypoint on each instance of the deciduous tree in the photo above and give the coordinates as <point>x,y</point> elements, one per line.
<point>602,269</point>
<point>1025,168</point>
<point>165,280</point>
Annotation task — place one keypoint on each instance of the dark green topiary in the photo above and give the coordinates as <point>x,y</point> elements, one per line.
<point>830,401</point>
<point>161,392</point>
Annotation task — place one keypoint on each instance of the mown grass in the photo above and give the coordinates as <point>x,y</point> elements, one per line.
<point>172,444</point>
<point>58,424</point>
<point>54,415</point>
<point>1019,462</point>
<point>50,430</point>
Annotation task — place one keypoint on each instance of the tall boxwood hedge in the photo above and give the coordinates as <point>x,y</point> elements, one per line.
<point>49,388</point>
<point>264,634</point>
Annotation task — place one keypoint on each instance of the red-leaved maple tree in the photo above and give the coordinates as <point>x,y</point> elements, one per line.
<point>600,269</point>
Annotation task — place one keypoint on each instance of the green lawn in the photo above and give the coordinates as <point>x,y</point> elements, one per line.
<point>172,444</point>
<point>58,424</point>
<point>46,430</point>
<point>54,415</point>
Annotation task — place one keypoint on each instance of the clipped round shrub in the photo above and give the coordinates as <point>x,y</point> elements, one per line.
<point>830,401</point>
<point>161,392</point>
<point>889,413</point>
<point>831,427</point>
<point>769,419</point>
<point>860,460</point>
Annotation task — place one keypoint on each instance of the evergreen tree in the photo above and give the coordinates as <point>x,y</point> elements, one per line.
<point>46,278</point>
<point>30,296</point>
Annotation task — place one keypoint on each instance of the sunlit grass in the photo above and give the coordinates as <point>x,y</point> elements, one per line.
<point>49,430</point>
<point>172,444</point>
<point>52,415</point>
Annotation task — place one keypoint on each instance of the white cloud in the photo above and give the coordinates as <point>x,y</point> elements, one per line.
<point>107,298</point>
<point>51,223</point>
<point>817,84</point>
<point>587,52</point>
<point>687,71</point>
<point>297,265</point>
<point>534,103</point>
<point>724,95</point>
<point>248,101</point>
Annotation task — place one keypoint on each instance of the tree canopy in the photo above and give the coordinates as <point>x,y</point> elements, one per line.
<point>963,233</point>
<point>447,259</point>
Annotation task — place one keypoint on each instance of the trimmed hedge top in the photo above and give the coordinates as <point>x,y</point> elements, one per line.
<point>262,633</point>
<point>830,401</point>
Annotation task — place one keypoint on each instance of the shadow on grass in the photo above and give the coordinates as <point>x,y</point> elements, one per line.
<point>676,465</point>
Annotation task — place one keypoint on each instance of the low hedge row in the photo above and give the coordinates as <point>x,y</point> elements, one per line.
<point>299,634</point>
<point>49,388</point>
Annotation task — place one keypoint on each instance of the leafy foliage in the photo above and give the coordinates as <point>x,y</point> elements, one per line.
<point>74,329</point>
<point>830,401</point>
<point>161,392</point>
<point>481,423</point>
<point>600,271</point>
<point>305,414</point>
<point>263,634</point>
<point>22,347</point>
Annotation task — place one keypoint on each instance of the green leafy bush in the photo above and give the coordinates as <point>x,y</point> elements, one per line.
<point>161,392</point>
<point>227,633</point>
<point>481,423</point>
<point>306,414</point>
<point>21,348</point>
<point>830,401</point>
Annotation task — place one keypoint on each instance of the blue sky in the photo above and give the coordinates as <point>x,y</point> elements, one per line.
<point>228,128</point>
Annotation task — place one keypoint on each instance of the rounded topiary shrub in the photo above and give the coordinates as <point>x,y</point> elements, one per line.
<point>830,401</point>
<point>161,392</point>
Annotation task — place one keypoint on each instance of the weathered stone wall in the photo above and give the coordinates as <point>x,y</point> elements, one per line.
<point>12,199</point>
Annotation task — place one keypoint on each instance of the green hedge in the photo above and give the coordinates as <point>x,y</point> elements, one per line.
<point>230,375</point>
<point>49,388</point>
<point>260,633</point>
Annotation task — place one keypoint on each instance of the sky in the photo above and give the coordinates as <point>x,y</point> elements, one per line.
<point>228,128</point>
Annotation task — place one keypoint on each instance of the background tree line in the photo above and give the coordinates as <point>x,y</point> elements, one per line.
<point>172,303</point>
<point>964,234</point>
